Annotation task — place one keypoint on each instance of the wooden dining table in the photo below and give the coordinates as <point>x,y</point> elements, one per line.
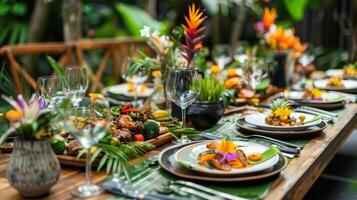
<point>293,183</point>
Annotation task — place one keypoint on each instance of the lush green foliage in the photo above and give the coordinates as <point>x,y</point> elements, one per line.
<point>210,89</point>
<point>55,66</point>
<point>135,19</point>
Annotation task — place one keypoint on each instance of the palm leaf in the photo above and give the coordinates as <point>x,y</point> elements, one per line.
<point>55,66</point>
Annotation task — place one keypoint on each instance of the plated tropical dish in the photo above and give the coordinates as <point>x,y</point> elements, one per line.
<point>335,81</point>
<point>223,157</point>
<point>280,115</point>
<point>283,117</point>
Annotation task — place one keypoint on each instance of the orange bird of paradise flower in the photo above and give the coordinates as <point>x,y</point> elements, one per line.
<point>268,18</point>
<point>192,30</point>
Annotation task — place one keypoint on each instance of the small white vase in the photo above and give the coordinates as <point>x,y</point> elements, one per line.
<point>33,168</point>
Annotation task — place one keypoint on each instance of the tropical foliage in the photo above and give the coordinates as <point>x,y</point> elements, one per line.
<point>210,89</point>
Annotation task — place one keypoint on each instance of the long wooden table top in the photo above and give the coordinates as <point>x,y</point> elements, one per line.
<point>293,183</point>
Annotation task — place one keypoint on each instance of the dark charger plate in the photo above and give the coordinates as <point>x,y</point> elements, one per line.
<point>168,163</point>
<point>309,131</point>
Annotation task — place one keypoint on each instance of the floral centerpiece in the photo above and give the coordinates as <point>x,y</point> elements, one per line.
<point>284,44</point>
<point>32,124</point>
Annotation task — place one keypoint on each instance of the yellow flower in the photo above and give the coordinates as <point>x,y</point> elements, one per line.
<point>13,115</point>
<point>215,69</point>
<point>282,113</point>
<point>131,87</point>
<point>156,73</point>
<point>95,96</point>
<point>231,72</point>
<point>316,93</point>
<point>226,146</point>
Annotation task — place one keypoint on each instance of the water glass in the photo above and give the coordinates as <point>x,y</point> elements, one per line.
<point>52,88</point>
<point>88,121</point>
<point>254,72</point>
<point>179,91</point>
<point>134,75</point>
<point>221,55</point>
<point>77,83</point>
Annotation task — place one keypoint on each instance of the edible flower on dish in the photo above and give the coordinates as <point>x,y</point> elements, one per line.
<point>313,93</point>
<point>223,155</point>
<point>281,114</point>
<point>335,82</point>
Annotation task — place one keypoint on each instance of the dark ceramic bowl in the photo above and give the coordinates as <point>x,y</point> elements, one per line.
<point>205,114</point>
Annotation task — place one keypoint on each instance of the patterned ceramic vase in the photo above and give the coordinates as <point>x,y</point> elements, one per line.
<point>33,168</point>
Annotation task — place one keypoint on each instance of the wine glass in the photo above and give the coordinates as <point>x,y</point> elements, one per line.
<point>77,83</point>
<point>53,89</point>
<point>179,90</point>
<point>221,55</point>
<point>88,121</point>
<point>254,71</point>
<point>134,75</point>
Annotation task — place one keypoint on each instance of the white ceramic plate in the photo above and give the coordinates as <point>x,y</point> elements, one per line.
<point>258,119</point>
<point>189,154</point>
<point>122,89</point>
<point>334,72</point>
<point>349,84</point>
<point>327,97</point>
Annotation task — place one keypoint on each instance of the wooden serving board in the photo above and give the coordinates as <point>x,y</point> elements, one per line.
<point>72,161</point>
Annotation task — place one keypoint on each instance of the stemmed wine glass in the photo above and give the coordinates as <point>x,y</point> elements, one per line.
<point>254,71</point>
<point>134,75</point>
<point>77,83</point>
<point>179,90</point>
<point>88,121</point>
<point>221,55</point>
<point>52,88</point>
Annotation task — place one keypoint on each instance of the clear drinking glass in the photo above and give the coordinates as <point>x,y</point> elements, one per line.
<point>53,89</point>
<point>178,88</point>
<point>135,77</point>
<point>221,55</point>
<point>88,121</point>
<point>77,83</point>
<point>254,72</point>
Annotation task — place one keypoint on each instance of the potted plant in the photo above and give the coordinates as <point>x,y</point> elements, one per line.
<point>33,167</point>
<point>208,109</point>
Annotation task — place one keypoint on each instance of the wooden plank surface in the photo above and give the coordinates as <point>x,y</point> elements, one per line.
<point>293,183</point>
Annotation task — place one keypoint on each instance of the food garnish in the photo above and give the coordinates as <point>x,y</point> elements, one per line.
<point>226,155</point>
<point>313,93</point>
<point>223,155</point>
<point>280,114</point>
<point>335,82</point>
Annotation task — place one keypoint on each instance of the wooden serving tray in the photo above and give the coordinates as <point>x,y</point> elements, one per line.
<point>72,161</point>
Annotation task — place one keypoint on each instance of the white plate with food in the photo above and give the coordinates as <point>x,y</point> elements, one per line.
<point>207,157</point>
<point>324,98</point>
<point>128,90</point>
<point>336,84</point>
<point>295,122</point>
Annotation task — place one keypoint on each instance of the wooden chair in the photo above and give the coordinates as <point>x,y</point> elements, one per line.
<point>72,54</point>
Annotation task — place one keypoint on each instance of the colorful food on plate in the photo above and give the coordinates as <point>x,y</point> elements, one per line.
<point>350,70</point>
<point>280,115</point>
<point>313,93</point>
<point>141,89</point>
<point>223,155</point>
<point>335,82</point>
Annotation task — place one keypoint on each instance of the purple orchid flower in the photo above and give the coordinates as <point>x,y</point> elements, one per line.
<point>42,103</point>
<point>227,156</point>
